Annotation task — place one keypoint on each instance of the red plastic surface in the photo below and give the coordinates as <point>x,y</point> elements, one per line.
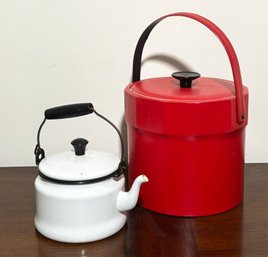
<point>189,142</point>
<point>208,110</point>
<point>168,89</point>
<point>192,152</point>
<point>188,176</point>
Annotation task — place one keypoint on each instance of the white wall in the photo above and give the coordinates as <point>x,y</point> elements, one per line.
<point>55,52</point>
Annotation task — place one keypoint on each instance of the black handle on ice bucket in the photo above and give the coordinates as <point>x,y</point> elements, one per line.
<point>240,102</point>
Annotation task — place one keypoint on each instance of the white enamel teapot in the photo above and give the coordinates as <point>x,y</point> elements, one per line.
<point>80,193</point>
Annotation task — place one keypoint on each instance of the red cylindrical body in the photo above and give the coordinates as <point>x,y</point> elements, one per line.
<point>188,141</point>
<point>191,151</point>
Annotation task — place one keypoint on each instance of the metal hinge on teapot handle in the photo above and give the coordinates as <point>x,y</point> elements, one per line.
<point>71,111</point>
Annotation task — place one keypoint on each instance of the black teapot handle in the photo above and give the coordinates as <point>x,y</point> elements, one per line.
<point>240,102</point>
<point>71,111</point>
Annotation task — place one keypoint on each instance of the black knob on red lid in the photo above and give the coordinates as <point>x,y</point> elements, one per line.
<point>79,145</point>
<point>185,78</point>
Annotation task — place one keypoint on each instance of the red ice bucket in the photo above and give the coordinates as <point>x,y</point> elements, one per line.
<point>187,134</point>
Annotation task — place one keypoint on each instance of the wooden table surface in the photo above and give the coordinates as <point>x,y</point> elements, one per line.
<point>242,231</point>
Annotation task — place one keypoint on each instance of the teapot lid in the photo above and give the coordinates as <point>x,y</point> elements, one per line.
<point>79,164</point>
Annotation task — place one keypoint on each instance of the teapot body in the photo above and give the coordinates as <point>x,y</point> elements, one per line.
<point>80,192</point>
<point>78,213</point>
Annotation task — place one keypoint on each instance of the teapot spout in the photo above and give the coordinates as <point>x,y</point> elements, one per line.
<point>127,200</point>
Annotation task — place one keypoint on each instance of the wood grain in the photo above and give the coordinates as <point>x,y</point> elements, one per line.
<point>242,231</point>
